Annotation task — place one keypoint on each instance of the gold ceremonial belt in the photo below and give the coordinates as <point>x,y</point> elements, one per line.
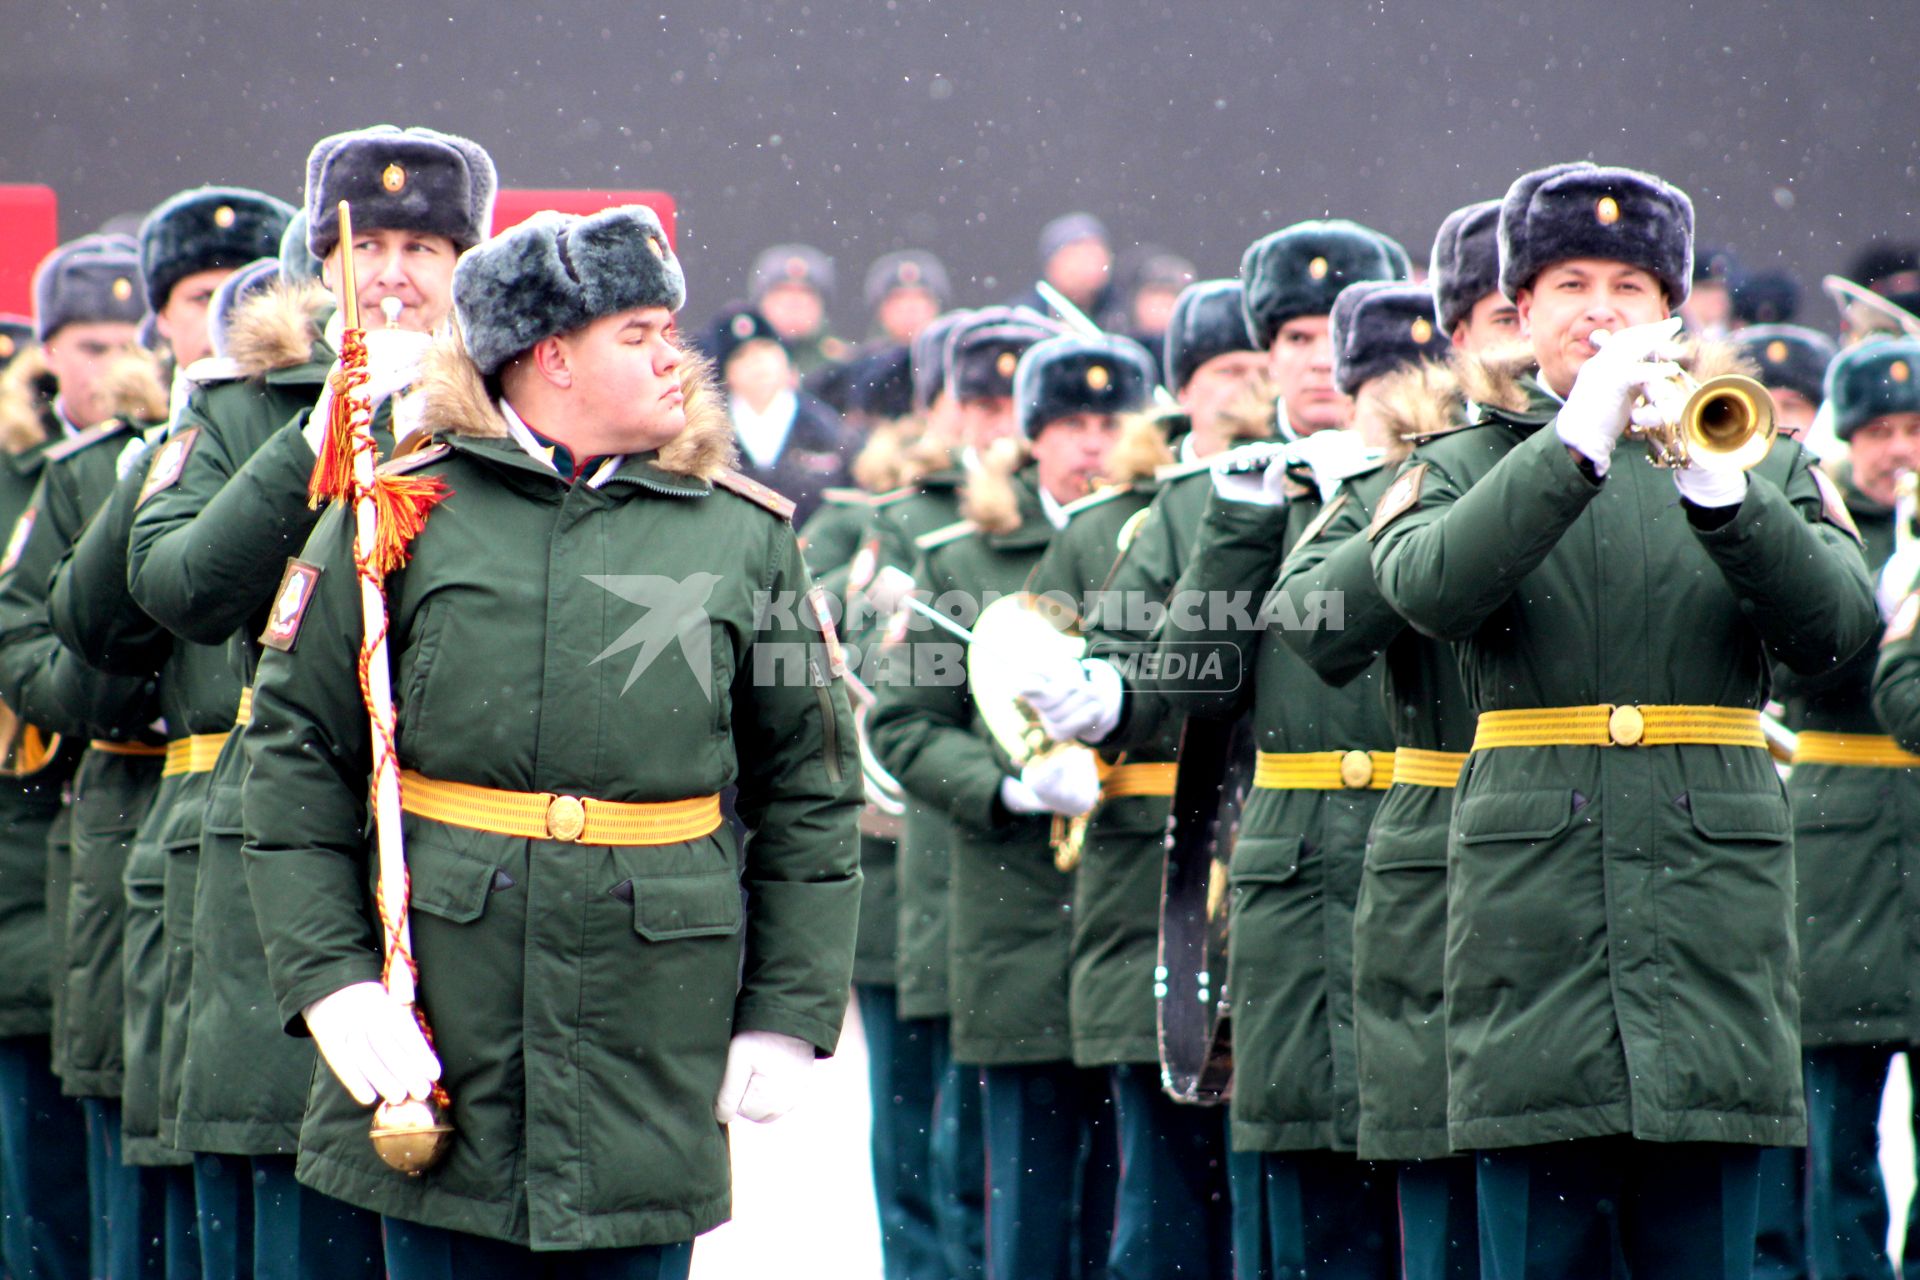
<point>193,755</point>
<point>149,750</point>
<point>1862,750</point>
<point>1413,767</point>
<point>1137,780</point>
<point>1323,770</point>
<point>540,815</point>
<point>245,711</point>
<point>1608,725</point>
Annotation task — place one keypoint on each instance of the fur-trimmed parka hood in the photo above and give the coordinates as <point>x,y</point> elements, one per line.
<point>1417,401</point>
<point>990,499</point>
<point>456,403</point>
<point>1141,447</point>
<point>1494,377</point>
<point>27,392</point>
<point>277,329</point>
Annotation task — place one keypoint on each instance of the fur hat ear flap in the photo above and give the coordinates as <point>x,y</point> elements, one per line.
<point>206,229</point>
<point>1071,374</point>
<point>1581,210</point>
<point>559,272</point>
<point>1379,327</point>
<point>92,280</point>
<point>1872,380</point>
<point>1466,262</point>
<point>400,180</point>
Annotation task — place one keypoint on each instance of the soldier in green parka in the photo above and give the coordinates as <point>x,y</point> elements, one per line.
<point>1048,1122</point>
<point>608,979</point>
<point>1621,973</point>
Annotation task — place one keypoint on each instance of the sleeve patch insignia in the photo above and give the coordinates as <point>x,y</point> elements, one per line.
<point>1833,506</point>
<point>1401,497</point>
<point>168,462</point>
<point>1904,619</point>
<point>17,540</point>
<point>823,618</point>
<point>1320,522</point>
<point>290,605</point>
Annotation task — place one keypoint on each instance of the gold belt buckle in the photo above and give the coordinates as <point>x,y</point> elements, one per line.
<point>1626,726</point>
<point>1356,769</point>
<point>566,818</point>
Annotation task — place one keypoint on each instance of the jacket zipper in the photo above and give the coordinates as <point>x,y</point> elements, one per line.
<point>829,726</point>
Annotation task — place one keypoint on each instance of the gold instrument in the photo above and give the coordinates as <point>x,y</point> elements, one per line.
<point>1724,424</point>
<point>1020,625</point>
<point>884,791</point>
<point>1865,314</point>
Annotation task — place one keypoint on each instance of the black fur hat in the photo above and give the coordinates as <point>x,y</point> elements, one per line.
<point>558,272</point>
<point>1789,357</point>
<point>16,335</point>
<point>1299,271</point>
<point>983,352</point>
<point>1377,327</point>
<point>732,328</point>
<point>879,382</point>
<point>297,262</point>
<point>1208,320</point>
<point>249,281</point>
<point>1070,374</point>
<point>399,180</point>
<point>1765,297</point>
<point>205,229</point>
<point>1873,379</point>
<point>1581,210</point>
<point>792,264</point>
<point>1465,262</point>
<point>906,269</point>
<point>930,357</point>
<point>88,281</point>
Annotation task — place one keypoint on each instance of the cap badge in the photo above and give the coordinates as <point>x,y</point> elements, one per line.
<point>1899,371</point>
<point>796,268</point>
<point>1422,331</point>
<point>658,252</point>
<point>909,273</point>
<point>1776,351</point>
<point>6,345</point>
<point>1098,378</point>
<point>1607,210</point>
<point>393,177</point>
<point>122,288</point>
<point>1317,268</point>
<point>223,216</point>
<point>1005,364</point>
<point>743,327</point>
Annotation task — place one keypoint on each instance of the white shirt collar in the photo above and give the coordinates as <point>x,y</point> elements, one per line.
<point>1056,513</point>
<point>1282,425</point>
<point>523,436</point>
<point>1187,453</point>
<point>67,427</point>
<point>763,435</point>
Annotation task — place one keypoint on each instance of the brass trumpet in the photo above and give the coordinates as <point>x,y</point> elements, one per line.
<point>1724,424</point>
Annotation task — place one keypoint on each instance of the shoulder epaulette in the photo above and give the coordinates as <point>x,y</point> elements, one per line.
<point>211,369</point>
<point>85,440</point>
<point>1425,436</point>
<point>894,495</point>
<point>944,534</point>
<point>842,496</point>
<point>415,458</point>
<point>1096,498</point>
<point>1174,470</point>
<point>755,492</point>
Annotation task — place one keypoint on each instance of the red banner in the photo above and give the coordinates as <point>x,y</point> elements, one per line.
<point>29,231</point>
<point>515,205</point>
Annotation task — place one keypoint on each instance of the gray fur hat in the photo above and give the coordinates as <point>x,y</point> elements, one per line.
<point>1071,374</point>
<point>205,229</point>
<point>1789,356</point>
<point>1466,262</point>
<point>297,262</point>
<point>1299,271</point>
<point>906,269</point>
<point>791,264</point>
<point>1379,326</point>
<point>399,180</point>
<point>1209,319</point>
<point>91,280</point>
<point>1871,380</point>
<point>984,350</point>
<point>249,281</point>
<point>930,358</point>
<point>1581,210</point>
<point>1070,228</point>
<point>558,272</point>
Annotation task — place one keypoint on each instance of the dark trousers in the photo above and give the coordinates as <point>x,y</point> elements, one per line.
<point>1439,1220</point>
<point>257,1223</point>
<point>1051,1169</point>
<point>415,1252</point>
<point>129,1204</point>
<point>1173,1214</point>
<point>182,1222</point>
<point>1847,1210</point>
<point>901,1084</point>
<point>959,1157</point>
<point>1780,1246</point>
<point>1606,1207</point>
<point>43,1167</point>
<point>1313,1214</point>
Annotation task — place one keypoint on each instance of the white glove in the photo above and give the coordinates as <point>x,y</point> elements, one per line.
<point>1711,488</point>
<point>1601,402</point>
<point>1333,456</point>
<point>1065,782</point>
<point>1257,488</point>
<point>765,1076</point>
<point>393,363</point>
<point>373,1044</point>
<point>889,587</point>
<point>1897,580</point>
<point>1074,698</point>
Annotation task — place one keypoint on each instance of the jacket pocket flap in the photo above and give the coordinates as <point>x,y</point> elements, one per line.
<point>1265,859</point>
<point>1514,815</point>
<point>446,884</point>
<point>1739,815</point>
<point>703,904</point>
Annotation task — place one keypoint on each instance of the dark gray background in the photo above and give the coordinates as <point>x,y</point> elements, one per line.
<point>867,125</point>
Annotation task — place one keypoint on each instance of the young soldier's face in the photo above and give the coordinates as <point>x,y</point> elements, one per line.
<point>1569,300</point>
<point>79,356</point>
<point>1881,450</point>
<point>1071,452</point>
<point>1793,413</point>
<point>758,371</point>
<point>985,420</point>
<point>183,321</point>
<point>624,376</point>
<point>413,266</point>
<point>1492,321</point>
<point>794,310</point>
<point>1300,362</point>
<point>1211,388</point>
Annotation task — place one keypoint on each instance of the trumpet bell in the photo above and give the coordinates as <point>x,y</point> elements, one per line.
<point>1727,424</point>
